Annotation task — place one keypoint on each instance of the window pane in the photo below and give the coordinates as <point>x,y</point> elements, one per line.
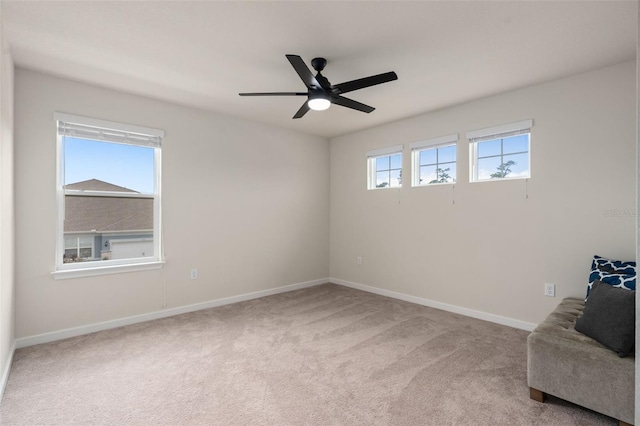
<point>488,148</point>
<point>85,241</point>
<point>396,178</point>
<point>444,173</point>
<point>126,166</point>
<point>382,163</point>
<point>518,143</point>
<point>487,167</point>
<point>520,166</point>
<point>428,156</point>
<point>92,165</point>
<point>70,242</point>
<point>396,161</point>
<point>382,179</point>
<point>447,154</point>
<point>427,174</point>
<point>452,172</point>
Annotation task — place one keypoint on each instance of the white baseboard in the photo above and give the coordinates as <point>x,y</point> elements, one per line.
<point>523,325</point>
<point>91,328</point>
<point>5,371</point>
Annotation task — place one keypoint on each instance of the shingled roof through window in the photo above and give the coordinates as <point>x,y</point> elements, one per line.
<point>87,213</point>
<point>97,185</point>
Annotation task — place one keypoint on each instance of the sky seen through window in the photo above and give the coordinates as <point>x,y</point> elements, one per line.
<point>129,166</point>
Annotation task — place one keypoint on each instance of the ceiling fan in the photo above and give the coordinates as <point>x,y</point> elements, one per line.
<point>320,93</point>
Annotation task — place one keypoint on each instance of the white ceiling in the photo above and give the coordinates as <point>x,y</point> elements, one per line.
<point>203,53</point>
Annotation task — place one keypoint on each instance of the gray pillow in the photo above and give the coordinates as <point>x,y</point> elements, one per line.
<point>610,317</point>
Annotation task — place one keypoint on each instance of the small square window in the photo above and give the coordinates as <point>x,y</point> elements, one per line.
<point>503,158</point>
<point>501,152</point>
<point>385,168</point>
<point>388,171</point>
<point>434,165</point>
<point>433,161</point>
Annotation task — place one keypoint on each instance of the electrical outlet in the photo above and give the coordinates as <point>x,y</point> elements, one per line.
<point>194,274</point>
<point>359,260</point>
<point>550,290</point>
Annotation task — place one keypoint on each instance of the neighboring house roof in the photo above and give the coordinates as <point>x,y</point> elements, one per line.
<point>97,185</point>
<point>87,213</point>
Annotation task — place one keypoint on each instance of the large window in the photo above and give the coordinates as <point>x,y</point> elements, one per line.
<point>108,197</point>
<point>434,161</point>
<point>501,152</point>
<point>384,168</point>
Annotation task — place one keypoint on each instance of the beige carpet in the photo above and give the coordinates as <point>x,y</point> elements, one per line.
<point>319,356</point>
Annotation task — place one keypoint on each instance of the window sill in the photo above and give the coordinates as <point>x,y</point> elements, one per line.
<point>504,179</point>
<point>385,187</point>
<point>426,185</point>
<point>106,270</point>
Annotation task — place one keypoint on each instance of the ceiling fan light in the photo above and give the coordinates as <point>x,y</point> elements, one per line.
<point>319,103</point>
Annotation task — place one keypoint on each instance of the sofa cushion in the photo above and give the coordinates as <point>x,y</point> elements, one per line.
<point>609,317</point>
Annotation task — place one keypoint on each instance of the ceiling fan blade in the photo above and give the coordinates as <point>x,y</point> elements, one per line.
<point>303,71</point>
<point>275,94</point>
<point>350,103</point>
<point>302,111</point>
<point>361,83</point>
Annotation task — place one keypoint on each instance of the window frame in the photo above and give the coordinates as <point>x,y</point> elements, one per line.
<point>429,144</point>
<point>132,136</point>
<point>501,132</point>
<point>371,165</point>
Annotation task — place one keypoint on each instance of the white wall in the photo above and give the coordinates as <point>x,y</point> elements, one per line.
<point>6,212</point>
<point>493,250</point>
<point>248,205</point>
<point>245,203</point>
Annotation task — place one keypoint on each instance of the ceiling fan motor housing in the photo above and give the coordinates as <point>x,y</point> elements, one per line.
<point>318,64</point>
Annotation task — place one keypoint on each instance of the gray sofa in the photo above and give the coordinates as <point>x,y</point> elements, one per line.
<point>569,365</point>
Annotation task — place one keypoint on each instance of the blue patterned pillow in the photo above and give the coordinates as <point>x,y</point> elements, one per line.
<point>616,273</point>
<point>613,266</point>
